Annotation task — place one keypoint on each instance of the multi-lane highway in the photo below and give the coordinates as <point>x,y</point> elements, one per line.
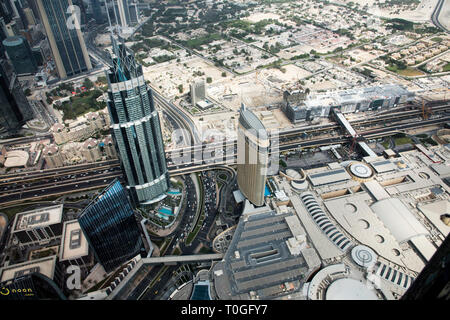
<point>179,116</point>
<point>436,14</point>
<point>38,185</point>
<point>24,186</point>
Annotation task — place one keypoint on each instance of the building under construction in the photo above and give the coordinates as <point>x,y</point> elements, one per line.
<point>298,106</point>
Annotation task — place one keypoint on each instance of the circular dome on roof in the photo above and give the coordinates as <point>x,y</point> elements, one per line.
<point>364,256</point>
<point>360,170</point>
<point>299,184</point>
<point>349,289</point>
<point>294,174</point>
<point>13,41</point>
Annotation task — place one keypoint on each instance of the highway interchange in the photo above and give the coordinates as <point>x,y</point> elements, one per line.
<point>36,185</point>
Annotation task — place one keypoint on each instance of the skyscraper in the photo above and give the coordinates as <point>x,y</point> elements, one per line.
<point>18,8</point>
<point>6,11</point>
<point>124,13</point>
<point>66,42</point>
<point>14,107</point>
<point>96,11</point>
<point>136,128</point>
<point>110,227</point>
<point>33,6</point>
<point>198,91</point>
<point>20,54</point>
<point>252,156</point>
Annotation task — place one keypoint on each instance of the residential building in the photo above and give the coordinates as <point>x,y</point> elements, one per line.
<point>136,129</point>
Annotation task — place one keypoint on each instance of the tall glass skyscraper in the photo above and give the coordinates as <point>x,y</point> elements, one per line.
<point>20,54</point>
<point>67,44</point>
<point>15,109</point>
<point>136,128</point>
<point>111,228</point>
<point>96,10</point>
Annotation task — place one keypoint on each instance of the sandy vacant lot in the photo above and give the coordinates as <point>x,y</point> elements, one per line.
<point>169,75</point>
<point>257,17</point>
<point>421,14</point>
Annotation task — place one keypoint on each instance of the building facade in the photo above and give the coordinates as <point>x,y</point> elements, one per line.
<point>111,228</point>
<point>252,156</point>
<point>198,91</point>
<point>97,10</point>
<point>68,47</point>
<point>15,109</point>
<point>136,129</point>
<point>39,226</point>
<point>20,54</point>
<point>300,107</point>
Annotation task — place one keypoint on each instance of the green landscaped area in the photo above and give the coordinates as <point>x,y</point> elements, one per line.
<point>81,104</point>
<point>446,67</point>
<point>402,140</point>
<point>385,144</point>
<point>12,211</point>
<point>437,39</point>
<point>408,72</point>
<point>200,41</point>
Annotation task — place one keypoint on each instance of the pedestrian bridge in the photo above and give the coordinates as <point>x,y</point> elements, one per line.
<point>171,260</point>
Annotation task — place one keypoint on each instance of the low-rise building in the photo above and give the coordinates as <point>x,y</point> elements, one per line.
<point>52,156</point>
<point>347,101</point>
<point>47,267</point>
<point>74,248</point>
<point>37,227</point>
<point>91,151</point>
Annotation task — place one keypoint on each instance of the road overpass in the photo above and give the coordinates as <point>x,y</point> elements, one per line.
<point>435,16</point>
<point>173,260</point>
<point>91,176</point>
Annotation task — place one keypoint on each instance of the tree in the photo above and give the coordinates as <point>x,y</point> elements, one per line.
<point>209,80</point>
<point>88,84</point>
<point>224,74</point>
<point>180,88</point>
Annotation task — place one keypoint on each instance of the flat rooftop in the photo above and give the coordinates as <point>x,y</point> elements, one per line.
<point>38,218</point>
<point>45,266</point>
<point>328,177</point>
<point>74,244</point>
<point>258,261</point>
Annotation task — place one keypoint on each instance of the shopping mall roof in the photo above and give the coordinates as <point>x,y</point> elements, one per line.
<point>376,190</point>
<point>398,219</point>
<point>434,211</point>
<point>330,176</point>
<point>383,166</point>
<point>16,158</point>
<point>73,244</point>
<point>350,289</point>
<point>258,259</point>
<point>37,218</point>
<point>45,266</point>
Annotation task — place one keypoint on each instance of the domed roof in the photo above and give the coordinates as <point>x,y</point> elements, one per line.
<point>361,170</point>
<point>364,256</point>
<point>349,289</point>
